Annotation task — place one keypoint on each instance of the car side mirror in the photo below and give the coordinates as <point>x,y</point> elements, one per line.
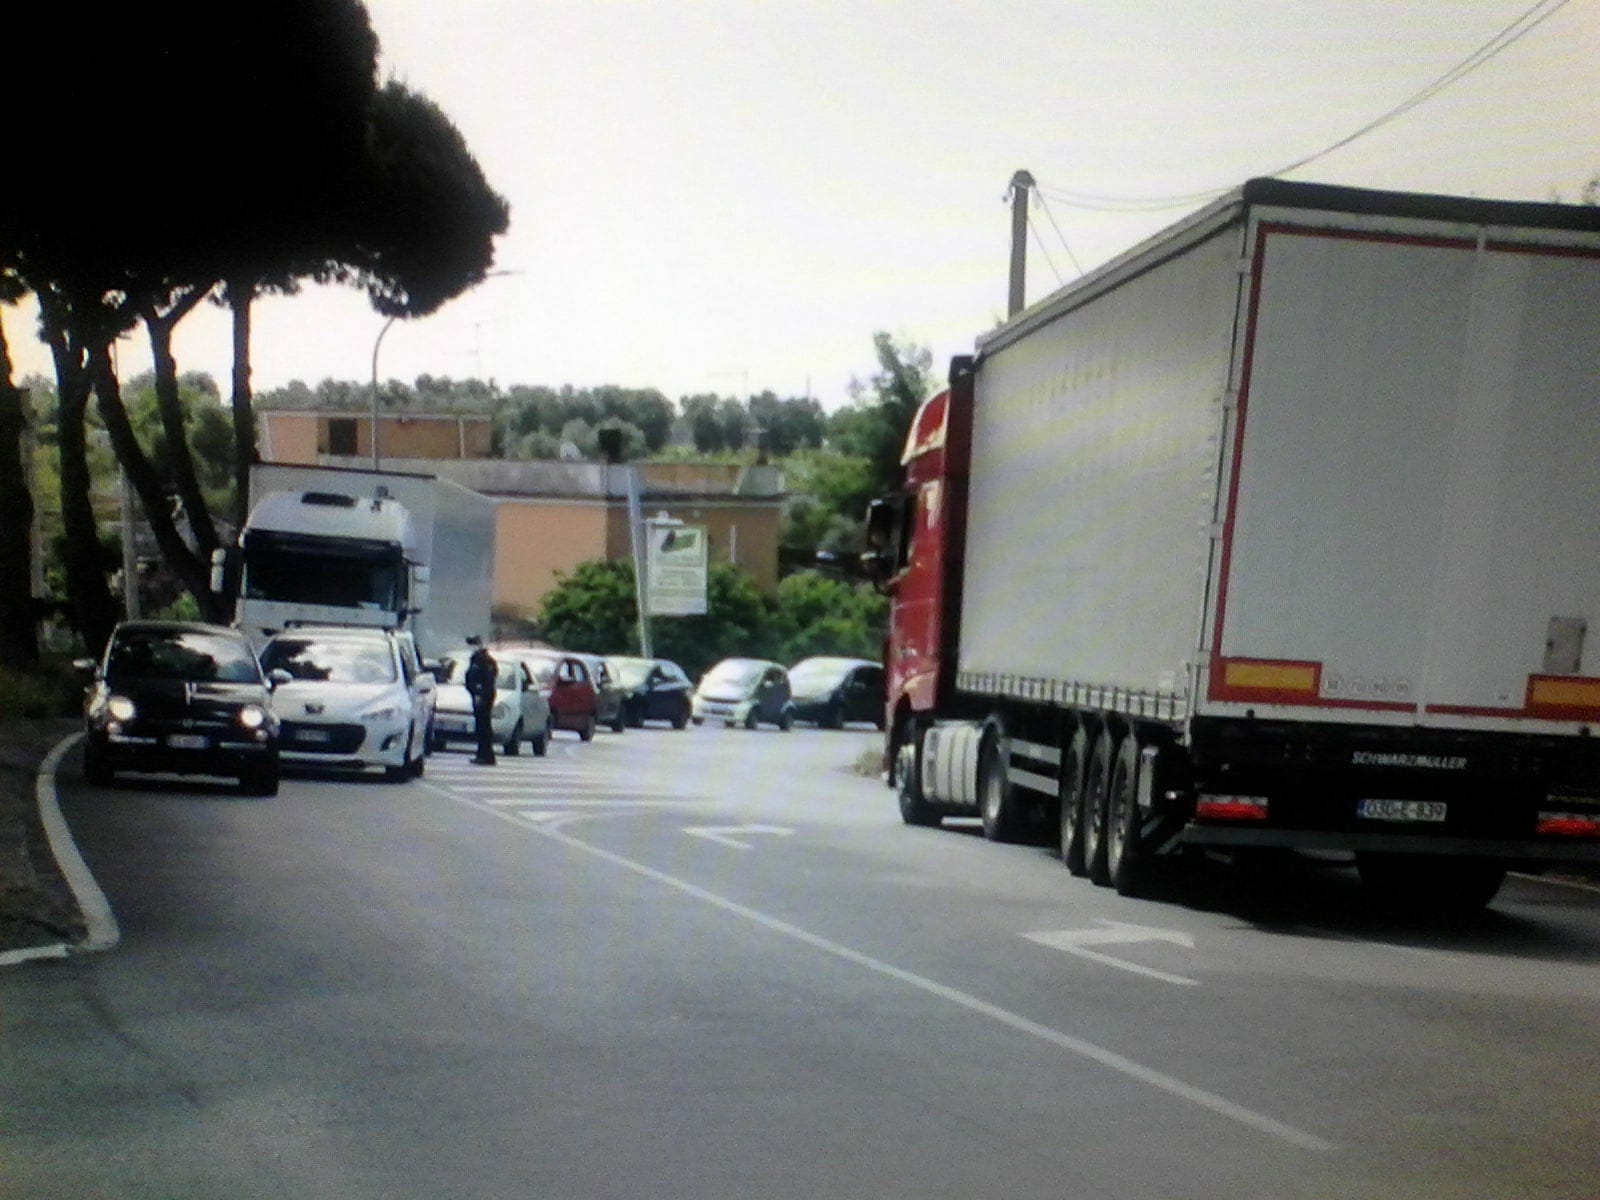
<point>277,677</point>
<point>84,666</point>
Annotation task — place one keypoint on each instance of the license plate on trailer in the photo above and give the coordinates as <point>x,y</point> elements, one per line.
<point>1401,810</point>
<point>187,741</point>
<point>317,736</point>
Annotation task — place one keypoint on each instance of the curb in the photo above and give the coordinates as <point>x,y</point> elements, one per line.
<point>103,933</point>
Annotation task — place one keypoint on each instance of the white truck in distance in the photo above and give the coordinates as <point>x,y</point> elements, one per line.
<point>1281,531</point>
<point>336,546</point>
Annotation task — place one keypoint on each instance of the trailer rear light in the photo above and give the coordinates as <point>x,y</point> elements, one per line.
<point>1564,697</point>
<point>1231,808</point>
<point>1568,824</point>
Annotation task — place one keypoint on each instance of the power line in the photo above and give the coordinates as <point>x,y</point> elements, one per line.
<point>1525,23</point>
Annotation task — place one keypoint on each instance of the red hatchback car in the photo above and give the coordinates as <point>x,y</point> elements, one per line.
<point>574,703</point>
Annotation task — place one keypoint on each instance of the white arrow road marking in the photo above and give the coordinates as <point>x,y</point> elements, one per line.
<point>724,833</point>
<point>1116,933</point>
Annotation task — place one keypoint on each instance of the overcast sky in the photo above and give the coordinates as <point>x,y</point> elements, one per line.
<point>733,195</point>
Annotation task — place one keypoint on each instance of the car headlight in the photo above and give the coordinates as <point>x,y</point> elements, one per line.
<point>120,708</point>
<point>387,713</point>
<point>501,710</point>
<point>252,716</point>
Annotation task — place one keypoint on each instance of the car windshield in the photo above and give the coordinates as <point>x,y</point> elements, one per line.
<point>188,655</point>
<point>455,670</point>
<point>631,672</point>
<point>818,674</point>
<point>330,660</point>
<point>735,673</point>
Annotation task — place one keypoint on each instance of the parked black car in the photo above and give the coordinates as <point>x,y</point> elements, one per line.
<point>184,697</point>
<point>653,689</point>
<point>833,691</point>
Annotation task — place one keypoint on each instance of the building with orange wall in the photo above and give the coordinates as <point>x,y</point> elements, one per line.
<point>549,516</point>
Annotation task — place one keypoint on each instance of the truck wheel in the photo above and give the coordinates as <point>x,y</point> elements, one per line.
<point>1096,785</point>
<point>513,746</point>
<point>914,806</point>
<point>1430,885</point>
<point>1125,857</point>
<point>997,799</point>
<point>1072,822</point>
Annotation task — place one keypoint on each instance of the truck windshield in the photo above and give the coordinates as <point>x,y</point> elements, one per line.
<point>342,574</point>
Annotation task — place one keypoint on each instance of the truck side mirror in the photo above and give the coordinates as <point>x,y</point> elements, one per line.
<point>219,570</point>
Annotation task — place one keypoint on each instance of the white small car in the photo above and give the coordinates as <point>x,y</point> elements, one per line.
<point>350,697</point>
<point>521,713</point>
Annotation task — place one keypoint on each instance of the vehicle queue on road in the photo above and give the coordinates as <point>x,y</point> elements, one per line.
<point>191,698</point>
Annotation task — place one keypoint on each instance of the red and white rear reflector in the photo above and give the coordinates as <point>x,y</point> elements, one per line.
<point>1231,808</point>
<point>1568,824</point>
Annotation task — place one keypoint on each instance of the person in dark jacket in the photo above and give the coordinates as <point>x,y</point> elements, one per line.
<point>479,681</point>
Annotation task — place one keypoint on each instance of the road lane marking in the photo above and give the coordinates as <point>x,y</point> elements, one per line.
<point>1116,933</point>
<point>723,834</point>
<point>1172,1086</point>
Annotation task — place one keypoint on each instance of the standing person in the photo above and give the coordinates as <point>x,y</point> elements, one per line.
<point>479,680</point>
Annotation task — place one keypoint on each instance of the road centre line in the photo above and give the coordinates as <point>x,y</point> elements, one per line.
<point>1209,1101</point>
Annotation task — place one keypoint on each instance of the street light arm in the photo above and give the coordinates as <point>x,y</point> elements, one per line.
<point>375,346</point>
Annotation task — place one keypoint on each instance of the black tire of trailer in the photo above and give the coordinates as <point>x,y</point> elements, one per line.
<point>1430,885</point>
<point>999,806</point>
<point>1127,860</point>
<point>1072,778</point>
<point>1096,796</point>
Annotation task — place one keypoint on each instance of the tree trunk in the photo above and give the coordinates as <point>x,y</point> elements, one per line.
<point>170,403</point>
<point>19,629</point>
<point>192,571</point>
<point>93,611</point>
<point>240,298</point>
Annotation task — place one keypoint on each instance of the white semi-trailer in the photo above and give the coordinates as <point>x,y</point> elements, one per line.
<point>1281,530</point>
<point>329,545</point>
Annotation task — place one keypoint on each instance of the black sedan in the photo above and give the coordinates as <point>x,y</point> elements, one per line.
<point>182,697</point>
<point>653,689</point>
<point>833,691</point>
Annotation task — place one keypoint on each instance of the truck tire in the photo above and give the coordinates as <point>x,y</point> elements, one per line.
<point>998,804</point>
<point>1430,885</point>
<point>1072,820</point>
<point>1125,854</point>
<point>1096,786</point>
<point>914,806</point>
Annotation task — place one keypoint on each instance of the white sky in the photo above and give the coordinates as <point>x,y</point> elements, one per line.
<point>733,195</point>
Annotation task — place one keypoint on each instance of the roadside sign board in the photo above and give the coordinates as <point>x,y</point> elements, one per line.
<point>675,571</point>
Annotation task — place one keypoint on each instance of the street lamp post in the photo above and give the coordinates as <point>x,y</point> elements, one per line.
<point>375,346</point>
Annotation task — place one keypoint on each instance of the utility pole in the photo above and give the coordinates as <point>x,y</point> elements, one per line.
<point>1021,184</point>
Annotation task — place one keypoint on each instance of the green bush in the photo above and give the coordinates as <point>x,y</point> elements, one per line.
<point>52,689</point>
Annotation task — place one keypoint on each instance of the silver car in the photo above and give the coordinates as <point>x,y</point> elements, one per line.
<point>521,713</point>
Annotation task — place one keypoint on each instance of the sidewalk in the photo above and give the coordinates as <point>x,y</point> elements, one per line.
<point>37,907</point>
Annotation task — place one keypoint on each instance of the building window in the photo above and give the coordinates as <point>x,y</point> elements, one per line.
<point>342,435</point>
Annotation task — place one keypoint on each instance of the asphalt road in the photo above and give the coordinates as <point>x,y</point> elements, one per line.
<point>713,964</point>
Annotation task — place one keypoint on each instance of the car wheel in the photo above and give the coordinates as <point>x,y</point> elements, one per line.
<point>96,771</point>
<point>540,742</point>
<point>618,724</point>
<point>682,719</point>
<point>785,719</point>
<point>260,779</point>
<point>831,717</point>
<point>586,730</point>
<point>513,746</point>
<point>750,722</point>
<point>698,720</point>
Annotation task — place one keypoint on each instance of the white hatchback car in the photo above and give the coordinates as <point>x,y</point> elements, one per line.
<point>521,713</point>
<point>350,697</point>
